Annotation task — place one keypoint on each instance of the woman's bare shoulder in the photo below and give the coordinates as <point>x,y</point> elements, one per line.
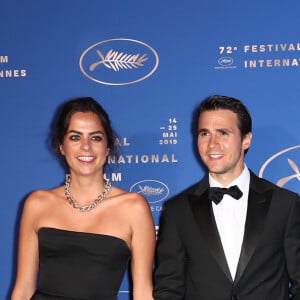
<point>38,205</point>
<point>43,197</point>
<point>131,200</point>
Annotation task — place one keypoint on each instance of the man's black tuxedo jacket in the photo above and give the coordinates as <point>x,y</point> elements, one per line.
<point>191,263</point>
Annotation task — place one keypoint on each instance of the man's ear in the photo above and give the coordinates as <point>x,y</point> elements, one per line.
<point>247,141</point>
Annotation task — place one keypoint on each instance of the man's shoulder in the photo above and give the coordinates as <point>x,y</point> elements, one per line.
<point>194,190</point>
<point>262,184</point>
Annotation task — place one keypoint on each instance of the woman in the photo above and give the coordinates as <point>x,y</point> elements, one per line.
<point>76,240</point>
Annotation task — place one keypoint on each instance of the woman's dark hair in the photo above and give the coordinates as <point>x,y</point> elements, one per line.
<point>83,104</point>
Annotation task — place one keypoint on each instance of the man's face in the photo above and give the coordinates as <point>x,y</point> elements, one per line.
<point>220,144</point>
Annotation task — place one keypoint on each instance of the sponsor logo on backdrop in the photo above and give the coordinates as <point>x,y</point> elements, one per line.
<point>119,61</point>
<point>8,70</point>
<point>153,190</point>
<point>225,63</point>
<point>258,55</point>
<point>286,158</point>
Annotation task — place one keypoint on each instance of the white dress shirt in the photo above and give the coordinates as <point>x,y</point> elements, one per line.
<point>230,215</point>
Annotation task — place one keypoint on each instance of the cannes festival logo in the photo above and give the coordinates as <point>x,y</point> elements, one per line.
<point>285,160</point>
<point>119,61</point>
<point>153,190</point>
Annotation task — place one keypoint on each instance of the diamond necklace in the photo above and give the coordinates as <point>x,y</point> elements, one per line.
<point>85,208</point>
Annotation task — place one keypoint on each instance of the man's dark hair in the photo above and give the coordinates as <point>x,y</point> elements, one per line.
<point>216,102</point>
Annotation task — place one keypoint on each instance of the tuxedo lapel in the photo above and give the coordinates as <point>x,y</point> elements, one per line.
<point>202,209</point>
<point>258,205</point>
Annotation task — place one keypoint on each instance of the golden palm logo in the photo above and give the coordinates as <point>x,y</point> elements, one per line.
<point>296,171</point>
<point>154,190</point>
<point>284,180</point>
<point>117,61</point>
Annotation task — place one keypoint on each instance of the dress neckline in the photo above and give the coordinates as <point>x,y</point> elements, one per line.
<point>83,233</point>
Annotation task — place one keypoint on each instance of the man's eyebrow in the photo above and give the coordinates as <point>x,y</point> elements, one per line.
<point>201,130</point>
<point>223,129</point>
<point>218,130</point>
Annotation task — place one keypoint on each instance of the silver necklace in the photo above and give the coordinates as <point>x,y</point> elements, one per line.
<point>85,208</point>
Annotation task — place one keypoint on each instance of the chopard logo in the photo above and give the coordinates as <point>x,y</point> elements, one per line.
<point>153,190</point>
<point>225,61</point>
<point>286,162</point>
<point>119,61</point>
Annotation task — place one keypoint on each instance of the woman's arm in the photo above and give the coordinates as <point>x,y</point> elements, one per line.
<point>142,247</point>
<point>25,284</point>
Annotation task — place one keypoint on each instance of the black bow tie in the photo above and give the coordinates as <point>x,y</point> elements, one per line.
<point>216,194</point>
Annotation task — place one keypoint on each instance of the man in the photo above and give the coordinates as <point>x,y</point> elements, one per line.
<point>215,247</point>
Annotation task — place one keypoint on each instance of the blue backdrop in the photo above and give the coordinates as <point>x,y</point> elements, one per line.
<point>149,63</point>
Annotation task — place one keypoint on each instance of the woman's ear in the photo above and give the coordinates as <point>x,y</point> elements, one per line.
<point>61,149</point>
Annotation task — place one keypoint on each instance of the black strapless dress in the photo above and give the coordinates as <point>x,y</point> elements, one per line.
<point>78,265</point>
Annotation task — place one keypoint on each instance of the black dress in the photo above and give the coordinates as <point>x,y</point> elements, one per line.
<point>78,265</point>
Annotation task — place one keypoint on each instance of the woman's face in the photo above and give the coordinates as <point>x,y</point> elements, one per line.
<point>85,144</point>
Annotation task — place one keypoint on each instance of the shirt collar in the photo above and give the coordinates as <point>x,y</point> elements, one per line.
<point>242,181</point>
